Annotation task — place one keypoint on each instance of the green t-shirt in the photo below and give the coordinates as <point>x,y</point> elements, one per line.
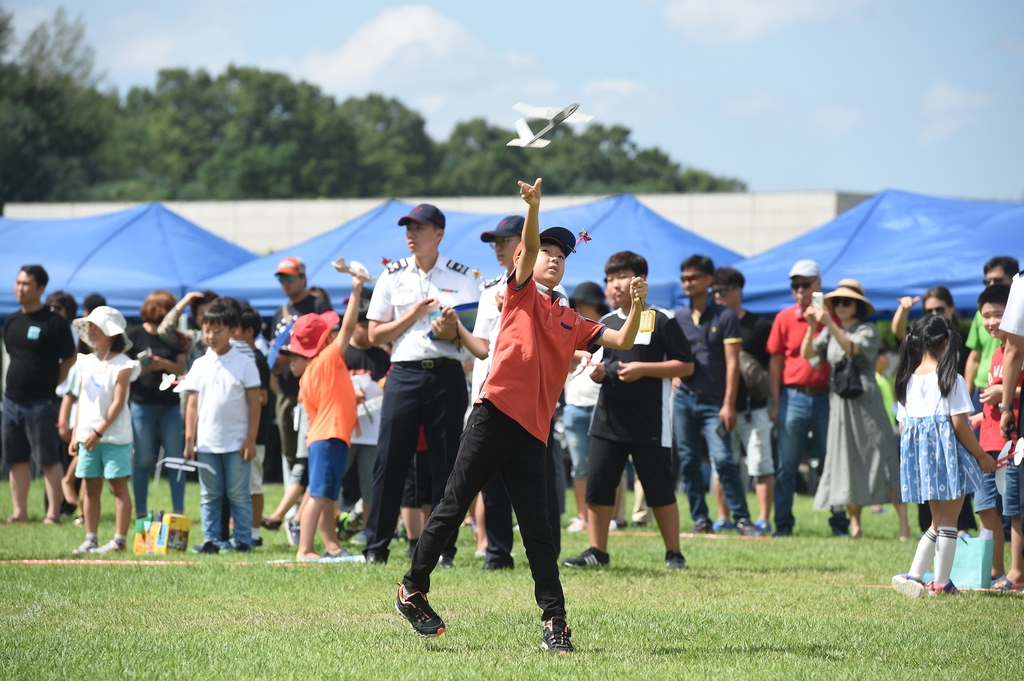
<point>888,397</point>
<point>981,340</point>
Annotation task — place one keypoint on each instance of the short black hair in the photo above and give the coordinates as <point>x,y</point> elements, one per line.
<point>38,273</point>
<point>1008,263</point>
<point>698,262</point>
<point>626,260</point>
<point>250,319</point>
<point>994,295</point>
<point>221,311</point>
<point>729,276</point>
<point>92,301</point>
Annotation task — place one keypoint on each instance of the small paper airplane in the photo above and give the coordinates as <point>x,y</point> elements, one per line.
<point>169,381</point>
<point>354,267</point>
<point>553,116</point>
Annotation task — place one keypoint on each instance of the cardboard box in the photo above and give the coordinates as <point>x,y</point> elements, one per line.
<point>172,534</point>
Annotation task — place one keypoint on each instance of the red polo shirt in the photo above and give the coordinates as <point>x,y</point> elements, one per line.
<point>531,356</point>
<point>787,334</point>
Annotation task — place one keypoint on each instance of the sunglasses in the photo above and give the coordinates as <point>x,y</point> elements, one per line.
<point>843,302</point>
<point>995,280</point>
<point>722,290</point>
<point>501,242</point>
<point>287,278</point>
<point>797,285</point>
<point>939,311</point>
<point>690,278</point>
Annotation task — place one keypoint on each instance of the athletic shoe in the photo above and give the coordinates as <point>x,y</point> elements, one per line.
<point>208,547</point>
<point>937,589</point>
<point>414,607</point>
<point>763,526</point>
<point>243,548</point>
<point>722,525</point>
<point>674,560</point>
<point>445,562</point>
<point>577,525</point>
<point>747,528</point>
<point>556,636</point>
<point>510,565</point>
<point>359,539</point>
<point>614,525</point>
<point>783,532</point>
<point>225,546</point>
<point>112,546</point>
<point>638,523</point>
<point>701,525</point>
<point>374,557</point>
<point>412,548</point>
<point>257,542</point>
<point>908,586</point>
<point>86,547</point>
<point>590,558</point>
<point>293,532</point>
<point>327,555</point>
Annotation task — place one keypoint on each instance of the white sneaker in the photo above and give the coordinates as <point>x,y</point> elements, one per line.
<point>87,547</point>
<point>111,546</point>
<point>908,586</point>
<point>577,525</point>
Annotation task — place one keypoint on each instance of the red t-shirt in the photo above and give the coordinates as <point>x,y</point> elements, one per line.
<point>787,334</point>
<point>991,438</point>
<point>532,353</point>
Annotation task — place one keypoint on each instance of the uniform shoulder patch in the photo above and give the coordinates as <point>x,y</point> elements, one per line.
<point>458,267</point>
<point>494,282</point>
<point>397,266</point>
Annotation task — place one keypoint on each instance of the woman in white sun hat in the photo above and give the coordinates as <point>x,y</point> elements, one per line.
<point>102,435</point>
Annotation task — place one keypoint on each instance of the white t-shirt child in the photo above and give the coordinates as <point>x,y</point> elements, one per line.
<point>96,393</point>
<point>221,381</point>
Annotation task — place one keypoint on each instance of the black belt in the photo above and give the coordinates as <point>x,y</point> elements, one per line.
<point>428,363</point>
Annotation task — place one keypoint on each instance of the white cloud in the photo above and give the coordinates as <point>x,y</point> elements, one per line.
<point>755,105</point>
<point>948,109</point>
<point>731,22</point>
<point>838,120</point>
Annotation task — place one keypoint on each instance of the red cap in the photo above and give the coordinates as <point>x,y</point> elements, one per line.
<point>310,333</point>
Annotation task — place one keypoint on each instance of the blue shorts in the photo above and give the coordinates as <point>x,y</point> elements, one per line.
<point>107,461</point>
<point>327,467</point>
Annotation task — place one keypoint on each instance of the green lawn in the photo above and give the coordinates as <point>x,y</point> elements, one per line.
<point>800,607</point>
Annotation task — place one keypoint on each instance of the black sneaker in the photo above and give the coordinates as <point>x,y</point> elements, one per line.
<point>674,560</point>
<point>590,558</point>
<point>747,528</point>
<point>374,557</point>
<point>701,525</point>
<point>414,607</point>
<point>556,636</point>
<point>498,565</point>
<point>445,562</point>
<point>412,548</point>
<point>243,548</point>
<point>208,547</point>
<point>257,542</point>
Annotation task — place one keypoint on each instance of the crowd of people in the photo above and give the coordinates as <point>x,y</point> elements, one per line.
<point>430,419</point>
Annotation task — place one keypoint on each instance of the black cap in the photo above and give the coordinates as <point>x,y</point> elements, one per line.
<point>562,237</point>
<point>588,292</point>
<point>510,226</point>
<point>424,213</point>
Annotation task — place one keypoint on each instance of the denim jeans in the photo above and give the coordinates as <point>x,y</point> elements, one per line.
<point>231,479</point>
<point>692,414</point>
<point>155,425</point>
<point>577,426</point>
<point>800,415</point>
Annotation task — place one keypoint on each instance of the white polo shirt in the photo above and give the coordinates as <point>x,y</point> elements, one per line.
<point>402,285</point>
<point>488,323</point>
<point>221,381</point>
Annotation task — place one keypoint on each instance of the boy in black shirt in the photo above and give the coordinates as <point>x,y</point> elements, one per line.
<point>633,417</point>
<point>250,327</point>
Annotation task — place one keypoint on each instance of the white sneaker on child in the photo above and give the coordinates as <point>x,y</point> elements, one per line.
<point>87,547</point>
<point>112,546</point>
<point>577,525</point>
<point>908,586</point>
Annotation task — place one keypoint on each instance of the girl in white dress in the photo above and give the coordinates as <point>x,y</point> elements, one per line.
<point>941,460</point>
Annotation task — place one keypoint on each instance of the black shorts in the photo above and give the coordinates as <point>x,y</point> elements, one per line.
<point>30,430</point>
<point>417,482</point>
<point>652,463</point>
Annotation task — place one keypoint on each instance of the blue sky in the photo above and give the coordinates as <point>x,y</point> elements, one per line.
<point>853,95</point>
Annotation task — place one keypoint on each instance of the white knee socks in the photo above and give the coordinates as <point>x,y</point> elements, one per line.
<point>923,557</point>
<point>945,549</point>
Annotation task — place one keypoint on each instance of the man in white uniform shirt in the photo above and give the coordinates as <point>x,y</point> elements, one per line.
<point>426,384</point>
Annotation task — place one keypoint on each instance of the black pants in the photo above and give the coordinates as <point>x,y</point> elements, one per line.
<point>495,443</point>
<point>437,399</point>
<point>498,512</point>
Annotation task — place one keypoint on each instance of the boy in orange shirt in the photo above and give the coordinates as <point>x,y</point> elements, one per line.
<point>330,402</point>
<point>507,431</point>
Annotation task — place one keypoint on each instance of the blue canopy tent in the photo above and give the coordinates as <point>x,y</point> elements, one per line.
<point>895,244</point>
<point>614,224</point>
<point>123,255</point>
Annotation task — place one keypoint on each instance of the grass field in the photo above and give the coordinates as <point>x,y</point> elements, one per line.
<point>800,607</point>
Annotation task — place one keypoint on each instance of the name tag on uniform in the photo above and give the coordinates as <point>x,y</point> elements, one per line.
<point>33,333</point>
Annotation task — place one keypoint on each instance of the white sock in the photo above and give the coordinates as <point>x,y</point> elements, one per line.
<point>119,538</point>
<point>93,537</point>
<point>945,549</point>
<point>255,533</point>
<point>925,554</point>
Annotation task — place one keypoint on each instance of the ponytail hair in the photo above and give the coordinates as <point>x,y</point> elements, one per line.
<point>937,337</point>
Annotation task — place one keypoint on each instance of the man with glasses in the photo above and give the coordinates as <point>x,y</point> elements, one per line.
<point>291,274</point>
<point>799,405</point>
<point>706,400</point>
<point>998,270</point>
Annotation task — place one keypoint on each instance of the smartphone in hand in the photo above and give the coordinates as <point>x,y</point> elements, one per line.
<point>720,431</point>
<point>818,299</point>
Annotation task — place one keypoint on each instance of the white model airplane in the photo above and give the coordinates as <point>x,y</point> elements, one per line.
<point>553,116</point>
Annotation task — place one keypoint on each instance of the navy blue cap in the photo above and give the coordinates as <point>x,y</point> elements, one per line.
<point>424,213</point>
<point>510,226</point>
<point>562,237</point>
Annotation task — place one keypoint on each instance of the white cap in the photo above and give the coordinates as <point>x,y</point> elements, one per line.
<point>805,268</point>
<point>110,322</point>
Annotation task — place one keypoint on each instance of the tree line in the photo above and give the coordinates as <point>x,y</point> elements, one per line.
<point>253,134</point>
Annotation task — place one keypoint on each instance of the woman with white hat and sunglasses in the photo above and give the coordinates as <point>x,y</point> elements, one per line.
<point>862,466</point>
<point>102,436</point>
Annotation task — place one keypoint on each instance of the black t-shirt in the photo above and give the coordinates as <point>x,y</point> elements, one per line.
<point>374,361</point>
<point>146,389</point>
<point>267,412</point>
<point>754,330</point>
<point>640,411</point>
<point>37,343</point>
<point>286,380</point>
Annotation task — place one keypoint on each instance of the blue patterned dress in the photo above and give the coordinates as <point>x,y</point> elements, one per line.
<point>933,463</point>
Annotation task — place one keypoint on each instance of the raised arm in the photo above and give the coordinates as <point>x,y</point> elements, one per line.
<point>622,339</point>
<point>351,318</point>
<point>899,320</point>
<point>531,232</point>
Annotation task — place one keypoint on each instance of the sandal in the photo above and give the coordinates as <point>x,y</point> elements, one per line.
<point>13,520</point>
<point>50,520</point>
<point>269,524</point>
<point>1004,584</point>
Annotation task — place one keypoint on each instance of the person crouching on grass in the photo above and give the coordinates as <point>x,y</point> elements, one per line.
<point>102,436</point>
<point>325,387</point>
<point>222,418</point>
<point>507,430</point>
